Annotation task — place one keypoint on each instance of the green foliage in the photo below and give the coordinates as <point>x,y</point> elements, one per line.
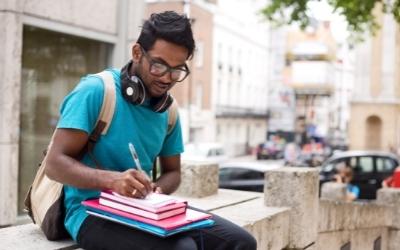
<point>358,13</point>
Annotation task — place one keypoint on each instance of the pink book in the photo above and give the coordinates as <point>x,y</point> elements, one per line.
<point>167,224</point>
<point>154,202</point>
<point>141,212</point>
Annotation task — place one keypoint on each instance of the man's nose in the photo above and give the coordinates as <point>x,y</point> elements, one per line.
<point>166,78</point>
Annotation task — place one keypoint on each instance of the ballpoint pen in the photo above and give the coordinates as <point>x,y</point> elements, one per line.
<point>135,157</point>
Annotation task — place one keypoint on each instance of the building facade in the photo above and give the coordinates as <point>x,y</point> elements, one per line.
<point>225,99</point>
<point>310,72</point>
<point>375,106</point>
<point>46,46</point>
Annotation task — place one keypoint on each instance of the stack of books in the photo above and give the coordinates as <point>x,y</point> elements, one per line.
<point>159,214</point>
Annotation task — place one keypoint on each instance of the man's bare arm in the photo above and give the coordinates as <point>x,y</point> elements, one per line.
<point>63,167</point>
<point>170,177</point>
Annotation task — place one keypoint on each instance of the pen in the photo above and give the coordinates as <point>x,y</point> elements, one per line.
<point>135,157</point>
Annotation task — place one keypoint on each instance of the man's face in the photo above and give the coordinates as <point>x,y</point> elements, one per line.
<point>164,55</point>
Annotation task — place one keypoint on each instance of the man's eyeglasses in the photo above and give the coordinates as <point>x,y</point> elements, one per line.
<point>159,69</point>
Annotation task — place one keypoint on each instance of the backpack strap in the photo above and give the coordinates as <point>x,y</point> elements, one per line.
<point>172,117</point>
<point>106,112</point>
<point>108,107</point>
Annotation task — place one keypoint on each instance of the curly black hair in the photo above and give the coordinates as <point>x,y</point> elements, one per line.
<point>169,26</point>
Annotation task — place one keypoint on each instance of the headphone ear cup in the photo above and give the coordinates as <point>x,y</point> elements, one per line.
<point>136,91</point>
<point>132,88</point>
<point>162,103</point>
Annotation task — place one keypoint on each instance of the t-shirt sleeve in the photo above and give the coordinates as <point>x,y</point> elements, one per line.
<point>173,143</point>
<point>81,107</point>
<point>355,190</point>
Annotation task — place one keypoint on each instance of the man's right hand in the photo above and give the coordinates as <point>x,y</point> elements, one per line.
<point>132,183</point>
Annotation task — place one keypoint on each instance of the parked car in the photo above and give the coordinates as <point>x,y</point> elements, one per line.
<point>204,152</point>
<point>247,176</point>
<point>370,168</point>
<point>269,150</point>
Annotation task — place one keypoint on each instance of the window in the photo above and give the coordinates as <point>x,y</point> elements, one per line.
<point>364,164</point>
<point>52,64</point>
<point>384,165</point>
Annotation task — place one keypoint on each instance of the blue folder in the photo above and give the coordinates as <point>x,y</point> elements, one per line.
<point>147,227</point>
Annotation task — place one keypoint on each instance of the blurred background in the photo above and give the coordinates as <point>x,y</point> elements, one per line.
<point>294,93</point>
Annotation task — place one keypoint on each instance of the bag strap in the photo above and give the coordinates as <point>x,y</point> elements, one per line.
<point>172,117</point>
<point>106,112</point>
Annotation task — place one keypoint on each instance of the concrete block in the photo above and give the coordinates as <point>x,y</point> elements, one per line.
<point>135,9</point>
<point>333,191</point>
<point>269,225</point>
<point>224,198</point>
<point>92,14</point>
<point>394,240</point>
<point>198,179</point>
<point>296,188</point>
<point>391,198</point>
<point>8,183</point>
<point>29,237</point>
<point>10,76</point>
<point>339,215</point>
<point>10,5</point>
<point>359,239</point>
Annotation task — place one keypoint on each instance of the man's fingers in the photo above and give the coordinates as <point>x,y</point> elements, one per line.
<point>143,179</point>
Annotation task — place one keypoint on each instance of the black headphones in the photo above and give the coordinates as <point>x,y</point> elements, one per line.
<point>134,91</point>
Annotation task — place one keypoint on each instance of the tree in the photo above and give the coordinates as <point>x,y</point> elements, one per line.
<point>359,14</point>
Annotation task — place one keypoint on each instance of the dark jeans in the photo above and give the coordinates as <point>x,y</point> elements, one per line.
<point>97,233</point>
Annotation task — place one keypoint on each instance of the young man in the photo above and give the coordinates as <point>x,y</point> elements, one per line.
<point>158,63</point>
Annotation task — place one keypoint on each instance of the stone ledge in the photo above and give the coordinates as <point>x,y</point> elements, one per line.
<point>224,197</point>
<point>360,239</point>
<point>29,237</point>
<point>391,198</point>
<point>269,225</point>
<point>339,215</point>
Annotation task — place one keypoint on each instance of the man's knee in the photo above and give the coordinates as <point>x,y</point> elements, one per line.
<point>185,243</point>
<point>244,241</point>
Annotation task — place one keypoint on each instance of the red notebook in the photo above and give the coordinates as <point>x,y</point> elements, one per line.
<point>168,224</point>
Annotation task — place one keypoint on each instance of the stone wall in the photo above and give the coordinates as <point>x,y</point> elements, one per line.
<point>112,21</point>
<point>289,215</point>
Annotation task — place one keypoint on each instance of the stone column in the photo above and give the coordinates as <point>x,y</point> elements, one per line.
<point>198,179</point>
<point>10,81</point>
<point>391,198</point>
<point>296,188</point>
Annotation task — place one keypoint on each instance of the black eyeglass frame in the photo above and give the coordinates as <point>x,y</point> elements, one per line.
<point>168,68</point>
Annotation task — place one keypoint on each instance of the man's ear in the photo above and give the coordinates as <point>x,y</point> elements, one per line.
<point>136,53</point>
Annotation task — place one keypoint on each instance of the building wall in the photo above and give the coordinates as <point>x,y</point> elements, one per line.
<point>310,72</point>
<point>377,84</point>
<point>230,65</point>
<point>194,94</point>
<point>389,116</point>
<point>111,21</point>
<point>240,78</point>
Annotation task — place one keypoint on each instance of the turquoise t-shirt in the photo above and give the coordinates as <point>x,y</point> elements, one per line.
<point>147,130</point>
